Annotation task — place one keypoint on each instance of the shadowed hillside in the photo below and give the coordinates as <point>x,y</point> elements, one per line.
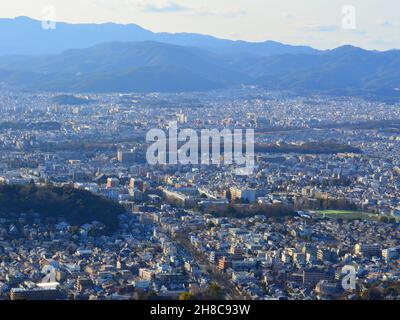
<point>76,206</point>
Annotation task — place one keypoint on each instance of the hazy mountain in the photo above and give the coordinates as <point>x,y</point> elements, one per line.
<point>148,66</point>
<point>121,57</point>
<point>26,36</point>
<point>23,35</point>
<point>345,70</point>
<point>138,66</point>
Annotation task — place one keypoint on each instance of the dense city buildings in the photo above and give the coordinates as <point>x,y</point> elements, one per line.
<point>324,195</point>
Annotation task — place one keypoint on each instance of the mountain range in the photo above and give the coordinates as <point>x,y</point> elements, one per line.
<point>24,35</point>
<point>128,58</point>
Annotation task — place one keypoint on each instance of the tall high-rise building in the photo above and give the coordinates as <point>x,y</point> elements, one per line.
<point>112,183</point>
<point>126,156</point>
<point>181,118</point>
<point>137,184</point>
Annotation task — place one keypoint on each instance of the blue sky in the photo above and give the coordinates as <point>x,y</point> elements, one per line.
<point>313,22</point>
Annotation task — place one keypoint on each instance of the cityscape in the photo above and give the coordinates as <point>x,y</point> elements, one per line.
<point>138,165</point>
<point>204,232</point>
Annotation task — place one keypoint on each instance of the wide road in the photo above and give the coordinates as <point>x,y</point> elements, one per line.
<point>221,279</point>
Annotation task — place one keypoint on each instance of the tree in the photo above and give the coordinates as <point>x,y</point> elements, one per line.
<point>214,292</point>
<point>374,294</point>
<point>186,296</point>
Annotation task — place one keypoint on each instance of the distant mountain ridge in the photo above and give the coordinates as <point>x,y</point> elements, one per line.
<point>346,70</point>
<point>122,67</point>
<point>203,63</point>
<point>24,35</point>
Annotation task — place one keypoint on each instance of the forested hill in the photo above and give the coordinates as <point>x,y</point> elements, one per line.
<point>75,206</point>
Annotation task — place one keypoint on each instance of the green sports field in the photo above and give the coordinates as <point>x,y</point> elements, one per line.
<point>338,212</point>
<point>348,215</point>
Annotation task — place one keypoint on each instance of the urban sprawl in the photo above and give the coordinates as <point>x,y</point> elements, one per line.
<point>324,195</point>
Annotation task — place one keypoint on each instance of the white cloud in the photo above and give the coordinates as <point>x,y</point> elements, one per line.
<point>159,5</point>
<point>177,6</point>
<point>165,6</point>
<point>316,27</point>
<point>383,23</point>
<point>225,12</point>
<point>288,15</point>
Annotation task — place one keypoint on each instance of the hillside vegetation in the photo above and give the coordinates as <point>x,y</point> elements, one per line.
<point>75,206</point>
